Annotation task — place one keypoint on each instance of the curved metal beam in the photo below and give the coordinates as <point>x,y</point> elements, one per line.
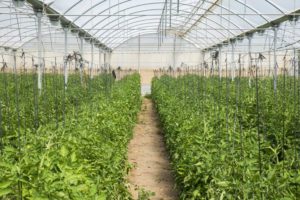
<point>219,24</point>
<point>275,6</point>
<point>114,39</point>
<point>144,22</point>
<point>149,4</point>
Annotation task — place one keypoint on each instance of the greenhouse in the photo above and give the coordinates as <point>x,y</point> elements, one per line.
<point>149,99</point>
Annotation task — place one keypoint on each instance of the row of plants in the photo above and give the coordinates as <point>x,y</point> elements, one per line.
<point>232,139</point>
<point>78,150</point>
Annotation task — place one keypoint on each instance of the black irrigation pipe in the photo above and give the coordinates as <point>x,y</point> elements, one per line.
<point>36,100</point>
<point>64,98</point>
<point>7,99</point>
<point>24,82</point>
<point>283,113</point>
<point>1,123</point>
<point>55,94</point>
<point>219,102</point>
<point>240,108</point>
<point>258,121</point>
<point>227,100</point>
<point>18,128</point>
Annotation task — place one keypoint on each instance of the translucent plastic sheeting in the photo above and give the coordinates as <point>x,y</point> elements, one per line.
<point>202,22</point>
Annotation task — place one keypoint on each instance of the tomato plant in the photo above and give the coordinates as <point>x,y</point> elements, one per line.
<point>231,141</point>
<point>78,150</point>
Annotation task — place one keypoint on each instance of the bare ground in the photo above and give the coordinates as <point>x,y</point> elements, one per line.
<point>148,154</point>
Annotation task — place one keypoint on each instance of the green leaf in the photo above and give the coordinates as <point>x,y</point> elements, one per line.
<point>223,183</point>
<point>64,151</point>
<point>5,184</point>
<point>5,191</point>
<point>73,157</point>
<point>196,193</point>
<point>102,196</point>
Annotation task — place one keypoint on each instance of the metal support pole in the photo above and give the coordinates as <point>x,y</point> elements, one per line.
<point>298,63</point>
<point>100,56</point>
<point>174,52</point>
<point>219,62</point>
<point>170,14</point>
<point>203,61</point>
<point>65,57</point>
<point>232,61</point>
<point>139,54</point>
<point>109,60</point>
<point>81,64</point>
<point>39,15</point>
<point>92,59</point>
<point>250,57</point>
<point>105,61</point>
<point>269,54</point>
<point>275,29</point>
<point>14,60</point>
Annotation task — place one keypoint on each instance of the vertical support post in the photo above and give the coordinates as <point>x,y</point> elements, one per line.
<point>275,29</point>
<point>269,55</point>
<point>166,18</point>
<point>105,61</point>
<point>174,52</point>
<point>92,59</point>
<point>81,64</point>
<point>100,59</point>
<point>109,60</point>
<point>66,56</point>
<point>14,61</point>
<point>219,62</point>
<point>298,63</point>
<point>39,15</point>
<point>170,14</point>
<point>232,61</point>
<point>250,57</point>
<point>203,61</point>
<point>139,54</point>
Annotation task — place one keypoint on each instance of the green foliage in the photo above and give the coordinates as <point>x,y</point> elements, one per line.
<point>223,144</point>
<point>83,157</point>
<point>145,194</point>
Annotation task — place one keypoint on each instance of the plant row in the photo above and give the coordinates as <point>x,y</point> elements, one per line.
<point>78,149</point>
<point>232,139</point>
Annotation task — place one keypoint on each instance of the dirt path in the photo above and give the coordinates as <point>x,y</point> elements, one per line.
<point>148,153</point>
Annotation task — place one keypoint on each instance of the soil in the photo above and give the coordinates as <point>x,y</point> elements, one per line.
<point>148,154</point>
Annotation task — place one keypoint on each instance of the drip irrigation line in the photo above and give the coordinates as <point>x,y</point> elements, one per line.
<point>20,195</point>
<point>295,108</point>
<point>1,124</point>
<point>258,121</point>
<point>227,100</point>
<point>283,112</point>
<point>35,94</point>
<point>55,97</point>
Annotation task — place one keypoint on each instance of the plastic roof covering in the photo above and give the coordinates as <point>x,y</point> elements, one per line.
<point>202,22</point>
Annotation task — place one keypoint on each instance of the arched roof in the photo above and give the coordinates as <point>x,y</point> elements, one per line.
<point>202,22</point>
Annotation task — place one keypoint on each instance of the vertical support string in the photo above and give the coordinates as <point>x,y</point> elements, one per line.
<point>275,29</point>
<point>92,59</point>
<point>39,15</point>
<point>65,57</point>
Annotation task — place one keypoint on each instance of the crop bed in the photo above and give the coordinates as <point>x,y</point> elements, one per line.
<point>66,144</point>
<point>232,139</point>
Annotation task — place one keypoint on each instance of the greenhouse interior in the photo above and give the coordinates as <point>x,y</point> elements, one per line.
<point>149,99</point>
